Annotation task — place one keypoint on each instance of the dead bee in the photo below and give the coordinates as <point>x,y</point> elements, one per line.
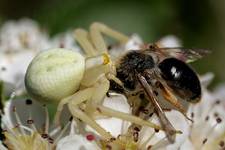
<point>157,79</point>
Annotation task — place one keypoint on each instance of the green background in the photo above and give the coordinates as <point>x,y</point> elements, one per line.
<point>198,23</point>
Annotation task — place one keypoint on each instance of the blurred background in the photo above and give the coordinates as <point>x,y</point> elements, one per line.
<point>198,24</point>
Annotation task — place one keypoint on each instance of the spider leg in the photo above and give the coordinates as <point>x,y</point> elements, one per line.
<point>73,105</point>
<point>96,31</point>
<point>86,94</point>
<point>83,39</point>
<point>96,101</point>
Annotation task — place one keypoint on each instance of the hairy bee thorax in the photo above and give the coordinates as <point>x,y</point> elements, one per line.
<point>131,63</point>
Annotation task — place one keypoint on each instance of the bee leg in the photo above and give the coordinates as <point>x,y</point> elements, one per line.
<point>82,37</point>
<point>171,98</point>
<point>96,30</point>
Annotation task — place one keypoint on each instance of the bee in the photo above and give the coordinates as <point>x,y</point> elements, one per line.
<point>156,79</point>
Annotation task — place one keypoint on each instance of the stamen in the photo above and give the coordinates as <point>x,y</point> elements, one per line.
<point>62,133</point>
<point>218,121</point>
<point>213,106</point>
<point>18,120</point>
<point>147,141</point>
<point>160,144</point>
<point>47,120</point>
<point>27,128</point>
<point>30,121</point>
<point>55,131</point>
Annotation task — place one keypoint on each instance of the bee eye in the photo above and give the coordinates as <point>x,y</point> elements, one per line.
<point>181,78</point>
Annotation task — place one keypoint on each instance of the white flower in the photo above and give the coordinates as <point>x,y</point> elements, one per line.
<point>65,40</point>
<point>24,34</point>
<point>77,142</point>
<point>208,130</point>
<point>27,126</point>
<point>27,122</point>
<point>13,67</point>
<point>20,41</point>
<point>170,41</point>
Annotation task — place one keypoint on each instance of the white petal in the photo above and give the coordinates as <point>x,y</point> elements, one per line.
<point>2,147</point>
<point>15,66</point>
<point>206,79</point>
<point>76,142</point>
<point>66,40</point>
<point>114,125</point>
<point>35,111</point>
<point>170,41</point>
<point>134,43</point>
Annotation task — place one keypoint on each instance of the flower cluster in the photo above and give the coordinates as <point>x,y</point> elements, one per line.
<point>27,124</point>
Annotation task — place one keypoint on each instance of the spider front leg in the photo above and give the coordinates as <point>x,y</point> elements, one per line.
<point>95,103</point>
<point>81,96</point>
<point>93,43</point>
<point>96,31</point>
<point>83,39</point>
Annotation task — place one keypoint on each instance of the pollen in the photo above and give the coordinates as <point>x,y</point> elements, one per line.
<point>26,142</point>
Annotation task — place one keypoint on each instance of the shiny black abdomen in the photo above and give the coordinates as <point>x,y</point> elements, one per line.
<point>132,62</point>
<point>181,78</point>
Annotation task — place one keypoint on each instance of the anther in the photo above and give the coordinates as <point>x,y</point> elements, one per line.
<point>221,143</point>
<point>217,102</point>
<point>156,130</point>
<point>216,114</point>
<point>29,102</point>
<point>136,129</point>
<point>218,120</point>
<point>44,136</point>
<point>135,135</point>
<point>50,140</point>
<point>150,115</point>
<point>204,141</point>
<point>149,147</point>
<point>90,137</point>
<point>206,118</point>
<point>99,110</point>
<point>14,108</point>
<point>3,68</point>
<point>112,139</point>
<point>71,118</point>
<point>192,115</point>
<point>30,121</point>
<point>108,147</point>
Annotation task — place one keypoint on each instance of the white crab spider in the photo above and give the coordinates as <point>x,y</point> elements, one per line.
<point>69,78</point>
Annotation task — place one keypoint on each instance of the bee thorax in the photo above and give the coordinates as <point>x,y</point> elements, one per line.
<point>130,64</point>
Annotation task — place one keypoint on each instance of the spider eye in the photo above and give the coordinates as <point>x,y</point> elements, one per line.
<point>181,78</point>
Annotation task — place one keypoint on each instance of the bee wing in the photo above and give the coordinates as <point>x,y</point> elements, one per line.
<point>184,54</point>
<point>166,125</point>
